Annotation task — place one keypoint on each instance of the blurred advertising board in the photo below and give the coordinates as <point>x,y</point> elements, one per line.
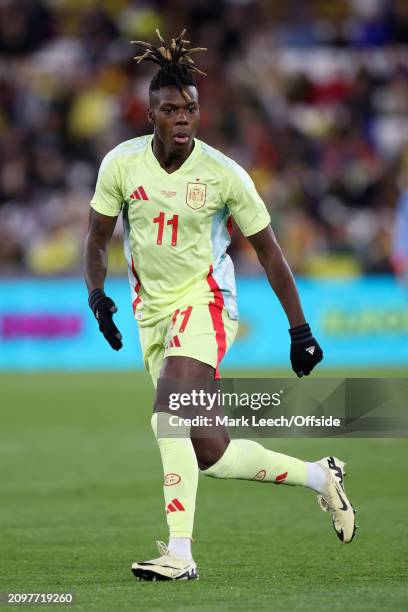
<point>46,325</point>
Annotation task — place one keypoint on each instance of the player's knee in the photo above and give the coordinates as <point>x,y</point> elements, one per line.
<point>209,453</point>
<point>205,462</point>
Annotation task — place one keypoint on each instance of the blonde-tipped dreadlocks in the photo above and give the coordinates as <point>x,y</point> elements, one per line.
<point>176,65</point>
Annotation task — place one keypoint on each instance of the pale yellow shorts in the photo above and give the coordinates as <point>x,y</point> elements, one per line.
<point>203,332</point>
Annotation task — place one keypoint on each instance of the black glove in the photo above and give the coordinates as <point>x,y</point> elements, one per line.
<point>104,308</point>
<point>305,351</point>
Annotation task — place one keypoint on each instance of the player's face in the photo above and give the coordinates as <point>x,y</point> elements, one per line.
<point>175,119</point>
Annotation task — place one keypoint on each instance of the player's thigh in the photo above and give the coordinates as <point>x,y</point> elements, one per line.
<point>182,377</point>
<point>202,332</point>
<point>185,367</point>
<point>198,337</point>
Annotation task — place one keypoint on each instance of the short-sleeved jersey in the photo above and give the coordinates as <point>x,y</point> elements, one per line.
<point>177,226</point>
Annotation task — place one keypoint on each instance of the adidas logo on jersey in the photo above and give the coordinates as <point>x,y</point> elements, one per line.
<point>311,349</point>
<point>139,194</point>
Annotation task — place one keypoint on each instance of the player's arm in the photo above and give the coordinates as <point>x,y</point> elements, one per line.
<point>279,274</point>
<point>100,231</point>
<point>305,351</point>
<point>96,266</point>
<point>253,219</point>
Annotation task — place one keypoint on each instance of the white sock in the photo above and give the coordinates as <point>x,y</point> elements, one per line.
<point>316,477</point>
<point>181,547</point>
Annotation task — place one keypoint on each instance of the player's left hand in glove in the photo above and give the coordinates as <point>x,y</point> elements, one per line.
<point>104,308</point>
<point>305,351</point>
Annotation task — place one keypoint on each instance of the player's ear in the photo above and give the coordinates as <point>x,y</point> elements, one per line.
<point>150,115</point>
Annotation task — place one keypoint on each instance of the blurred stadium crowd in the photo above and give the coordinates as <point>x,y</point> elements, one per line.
<point>310,97</point>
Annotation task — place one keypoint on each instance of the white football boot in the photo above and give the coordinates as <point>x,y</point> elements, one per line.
<point>333,499</point>
<point>165,567</point>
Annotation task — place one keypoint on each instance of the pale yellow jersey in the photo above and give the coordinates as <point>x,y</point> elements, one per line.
<point>177,226</point>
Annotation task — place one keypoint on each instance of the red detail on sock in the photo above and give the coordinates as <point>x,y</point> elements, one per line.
<point>171,508</point>
<point>216,308</point>
<point>178,504</point>
<point>281,477</point>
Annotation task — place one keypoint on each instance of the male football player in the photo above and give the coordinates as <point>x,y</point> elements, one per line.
<point>177,195</point>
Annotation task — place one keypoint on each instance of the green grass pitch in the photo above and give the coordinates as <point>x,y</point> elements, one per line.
<point>81,499</point>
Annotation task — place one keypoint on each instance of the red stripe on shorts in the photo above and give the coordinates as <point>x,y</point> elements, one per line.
<point>135,304</point>
<point>229,225</point>
<point>216,308</point>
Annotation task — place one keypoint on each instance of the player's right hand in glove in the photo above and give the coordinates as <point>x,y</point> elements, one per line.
<point>305,351</point>
<point>104,308</point>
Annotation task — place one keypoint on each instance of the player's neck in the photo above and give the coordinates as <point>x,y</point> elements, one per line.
<point>169,160</point>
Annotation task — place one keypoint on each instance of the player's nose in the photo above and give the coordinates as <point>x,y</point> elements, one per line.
<point>182,118</point>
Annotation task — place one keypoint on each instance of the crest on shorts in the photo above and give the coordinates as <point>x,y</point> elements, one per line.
<point>196,194</point>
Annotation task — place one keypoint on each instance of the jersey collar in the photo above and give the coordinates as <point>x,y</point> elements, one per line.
<point>185,166</point>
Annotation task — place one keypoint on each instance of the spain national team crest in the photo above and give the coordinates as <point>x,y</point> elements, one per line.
<point>196,194</point>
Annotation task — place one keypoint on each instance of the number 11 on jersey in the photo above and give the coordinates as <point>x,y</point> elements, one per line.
<point>160,230</point>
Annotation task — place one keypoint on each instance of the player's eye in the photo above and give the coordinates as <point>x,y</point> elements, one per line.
<point>192,109</point>
<point>168,111</point>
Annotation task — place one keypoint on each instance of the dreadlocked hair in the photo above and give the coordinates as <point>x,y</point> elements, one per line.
<point>176,66</point>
